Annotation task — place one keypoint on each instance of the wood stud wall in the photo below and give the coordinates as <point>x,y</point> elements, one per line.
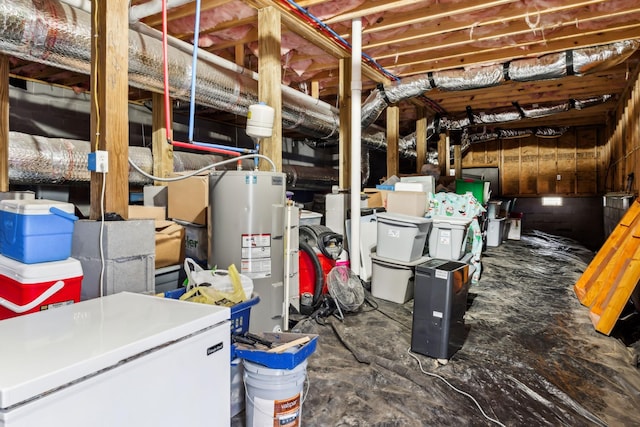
<point>624,142</point>
<point>531,166</point>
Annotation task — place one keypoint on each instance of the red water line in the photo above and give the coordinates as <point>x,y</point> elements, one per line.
<point>201,148</point>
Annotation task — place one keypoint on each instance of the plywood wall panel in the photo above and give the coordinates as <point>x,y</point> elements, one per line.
<point>528,167</point>
<point>586,162</point>
<point>566,163</point>
<point>510,167</point>
<point>547,166</point>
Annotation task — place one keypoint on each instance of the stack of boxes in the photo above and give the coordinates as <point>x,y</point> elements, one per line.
<point>36,269</point>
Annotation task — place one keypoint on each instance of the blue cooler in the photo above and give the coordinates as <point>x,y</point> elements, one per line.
<point>34,231</point>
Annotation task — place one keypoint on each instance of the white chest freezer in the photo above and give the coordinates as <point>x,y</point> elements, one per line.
<point>122,360</point>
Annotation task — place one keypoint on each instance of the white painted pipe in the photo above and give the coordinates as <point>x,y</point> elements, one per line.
<point>356,97</point>
<point>79,4</point>
<point>141,11</point>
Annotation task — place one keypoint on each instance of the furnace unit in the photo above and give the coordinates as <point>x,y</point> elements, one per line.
<point>440,301</point>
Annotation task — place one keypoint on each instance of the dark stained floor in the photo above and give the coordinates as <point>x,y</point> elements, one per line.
<point>531,357</point>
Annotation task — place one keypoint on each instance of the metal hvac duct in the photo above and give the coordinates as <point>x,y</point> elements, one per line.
<point>56,34</point>
<point>573,62</point>
<point>38,160</point>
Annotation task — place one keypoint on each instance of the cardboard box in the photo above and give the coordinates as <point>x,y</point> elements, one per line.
<point>412,203</point>
<point>188,198</point>
<point>147,212</point>
<point>169,244</point>
<point>377,198</point>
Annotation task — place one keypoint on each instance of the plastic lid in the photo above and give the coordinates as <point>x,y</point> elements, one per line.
<point>40,272</point>
<point>397,217</point>
<point>35,207</point>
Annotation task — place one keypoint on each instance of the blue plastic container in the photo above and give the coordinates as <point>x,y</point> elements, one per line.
<point>34,231</point>
<point>239,314</point>
<point>289,359</point>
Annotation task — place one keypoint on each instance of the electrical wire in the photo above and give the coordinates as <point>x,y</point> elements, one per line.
<point>203,169</point>
<point>101,281</point>
<point>317,22</point>
<point>457,390</point>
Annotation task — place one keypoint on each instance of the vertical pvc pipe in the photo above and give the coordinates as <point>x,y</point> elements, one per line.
<point>356,148</point>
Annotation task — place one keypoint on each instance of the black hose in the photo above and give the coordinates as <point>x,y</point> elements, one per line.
<point>318,269</point>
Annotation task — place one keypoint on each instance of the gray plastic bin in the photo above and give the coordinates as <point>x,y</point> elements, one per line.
<point>401,237</point>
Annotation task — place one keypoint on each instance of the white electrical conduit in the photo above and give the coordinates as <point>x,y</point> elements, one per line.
<point>356,96</point>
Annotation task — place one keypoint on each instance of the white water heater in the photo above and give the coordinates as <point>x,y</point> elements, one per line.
<point>246,228</point>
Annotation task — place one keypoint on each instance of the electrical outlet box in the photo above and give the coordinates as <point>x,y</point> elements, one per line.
<point>98,161</point>
<point>558,177</point>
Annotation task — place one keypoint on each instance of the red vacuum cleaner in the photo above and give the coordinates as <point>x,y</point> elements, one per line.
<point>319,249</point>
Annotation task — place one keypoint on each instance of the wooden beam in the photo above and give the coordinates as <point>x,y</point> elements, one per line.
<point>393,137</point>
<point>239,54</point>
<point>344,104</point>
<point>443,154</point>
<point>270,72</point>
<point>161,149</point>
<point>311,33</point>
<point>4,123</point>
<point>315,89</point>
<point>457,160</point>
<point>109,106</point>
<point>421,138</point>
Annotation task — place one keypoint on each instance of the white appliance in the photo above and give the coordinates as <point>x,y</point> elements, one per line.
<point>122,360</point>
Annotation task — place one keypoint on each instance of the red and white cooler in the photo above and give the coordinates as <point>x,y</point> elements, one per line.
<point>28,288</point>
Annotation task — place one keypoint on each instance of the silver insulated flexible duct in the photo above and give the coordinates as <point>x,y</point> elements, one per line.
<point>573,62</point>
<point>56,34</point>
<point>40,160</point>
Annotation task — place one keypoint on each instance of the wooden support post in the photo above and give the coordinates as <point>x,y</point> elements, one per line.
<point>161,149</point>
<point>344,104</point>
<point>109,106</point>
<point>393,137</point>
<point>457,160</point>
<point>315,88</point>
<point>270,72</point>
<point>421,138</point>
<point>443,154</point>
<point>239,54</point>
<point>4,123</point>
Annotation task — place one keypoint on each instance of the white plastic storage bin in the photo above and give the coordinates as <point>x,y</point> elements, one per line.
<point>393,280</point>
<point>448,239</point>
<point>401,237</point>
<point>495,228</point>
<point>35,231</point>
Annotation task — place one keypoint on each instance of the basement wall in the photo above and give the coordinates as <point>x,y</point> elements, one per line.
<point>579,218</point>
<point>572,166</point>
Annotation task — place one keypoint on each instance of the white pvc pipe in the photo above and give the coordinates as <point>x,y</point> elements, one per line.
<point>141,11</point>
<point>79,4</point>
<point>356,148</point>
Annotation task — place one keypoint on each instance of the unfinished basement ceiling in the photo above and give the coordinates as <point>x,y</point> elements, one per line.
<point>409,38</point>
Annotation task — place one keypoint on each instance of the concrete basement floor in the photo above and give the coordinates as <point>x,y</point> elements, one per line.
<point>531,357</point>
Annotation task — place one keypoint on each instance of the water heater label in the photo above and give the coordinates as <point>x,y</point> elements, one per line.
<point>255,259</point>
<point>276,180</point>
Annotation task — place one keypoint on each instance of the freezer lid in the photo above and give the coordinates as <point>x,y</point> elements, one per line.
<point>46,350</point>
